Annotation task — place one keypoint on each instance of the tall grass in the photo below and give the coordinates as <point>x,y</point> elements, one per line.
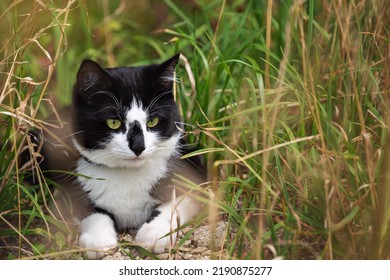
<point>288,100</point>
<point>28,62</point>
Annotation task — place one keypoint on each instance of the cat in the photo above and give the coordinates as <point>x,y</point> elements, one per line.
<point>127,131</point>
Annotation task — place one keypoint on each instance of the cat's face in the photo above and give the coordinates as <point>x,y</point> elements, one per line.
<point>124,116</point>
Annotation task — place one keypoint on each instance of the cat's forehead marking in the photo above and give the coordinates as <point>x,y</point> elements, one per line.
<point>136,113</point>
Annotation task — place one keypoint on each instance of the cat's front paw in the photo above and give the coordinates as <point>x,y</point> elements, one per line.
<point>98,235</point>
<point>156,235</point>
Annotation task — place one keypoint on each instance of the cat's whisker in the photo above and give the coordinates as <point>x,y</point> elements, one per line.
<point>155,99</point>
<point>162,109</point>
<point>110,94</point>
<point>107,108</point>
<point>108,158</point>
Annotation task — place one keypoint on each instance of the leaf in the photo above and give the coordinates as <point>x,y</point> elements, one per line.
<point>345,221</point>
<point>60,239</point>
<point>39,249</point>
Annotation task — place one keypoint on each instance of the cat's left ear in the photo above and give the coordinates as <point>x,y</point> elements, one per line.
<point>167,68</point>
<point>91,76</point>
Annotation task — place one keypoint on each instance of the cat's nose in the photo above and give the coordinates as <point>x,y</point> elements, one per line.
<point>136,139</point>
<point>137,145</point>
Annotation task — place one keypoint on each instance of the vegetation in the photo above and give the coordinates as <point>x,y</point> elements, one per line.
<point>287,99</point>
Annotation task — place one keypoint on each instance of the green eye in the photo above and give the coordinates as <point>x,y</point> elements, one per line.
<point>114,123</point>
<point>153,122</point>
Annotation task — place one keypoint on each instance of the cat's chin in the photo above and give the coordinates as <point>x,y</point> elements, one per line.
<point>134,162</point>
<point>126,163</point>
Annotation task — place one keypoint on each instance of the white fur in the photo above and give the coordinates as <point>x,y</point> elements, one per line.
<point>159,233</point>
<point>98,234</point>
<point>122,191</point>
<point>120,183</point>
<point>137,114</point>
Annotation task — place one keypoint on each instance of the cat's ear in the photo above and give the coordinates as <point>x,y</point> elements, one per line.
<point>167,69</point>
<point>91,76</point>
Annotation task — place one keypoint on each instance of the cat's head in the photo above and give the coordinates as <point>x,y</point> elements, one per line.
<point>125,116</point>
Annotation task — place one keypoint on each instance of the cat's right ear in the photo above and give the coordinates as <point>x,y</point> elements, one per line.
<point>91,76</point>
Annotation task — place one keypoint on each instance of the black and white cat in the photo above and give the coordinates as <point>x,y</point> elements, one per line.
<point>127,130</point>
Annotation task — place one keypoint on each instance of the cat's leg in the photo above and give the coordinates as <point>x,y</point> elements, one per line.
<point>159,233</point>
<point>98,234</point>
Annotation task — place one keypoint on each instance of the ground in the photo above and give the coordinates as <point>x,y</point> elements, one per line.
<point>197,247</point>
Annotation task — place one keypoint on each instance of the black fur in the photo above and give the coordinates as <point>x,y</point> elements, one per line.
<point>154,214</point>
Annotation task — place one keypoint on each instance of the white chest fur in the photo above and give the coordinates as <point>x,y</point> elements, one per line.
<point>124,192</point>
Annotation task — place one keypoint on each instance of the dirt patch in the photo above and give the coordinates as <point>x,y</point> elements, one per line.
<point>197,247</point>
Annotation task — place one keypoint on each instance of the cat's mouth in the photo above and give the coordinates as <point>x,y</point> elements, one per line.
<point>134,161</point>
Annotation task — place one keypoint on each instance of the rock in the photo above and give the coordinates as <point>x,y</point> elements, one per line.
<point>202,236</point>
